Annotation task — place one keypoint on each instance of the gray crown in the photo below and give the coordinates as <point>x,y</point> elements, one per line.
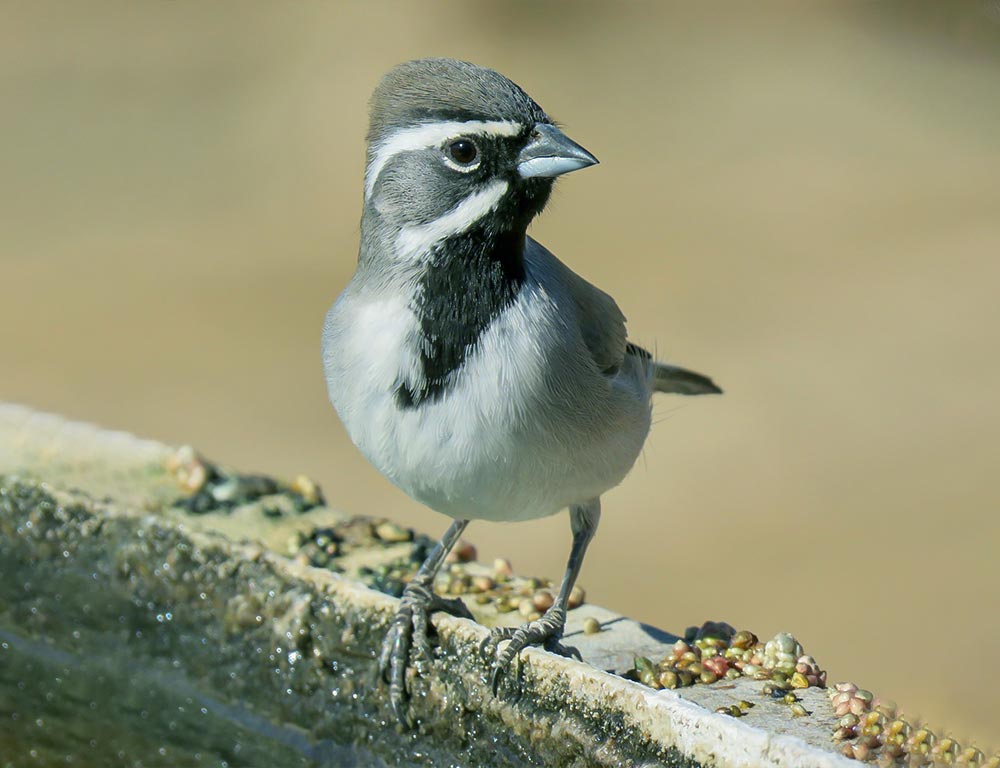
<point>446,89</point>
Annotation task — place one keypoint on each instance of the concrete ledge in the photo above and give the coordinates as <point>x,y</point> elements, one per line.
<point>225,651</point>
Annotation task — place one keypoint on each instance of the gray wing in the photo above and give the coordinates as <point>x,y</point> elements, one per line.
<point>601,322</point>
<point>602,326</point>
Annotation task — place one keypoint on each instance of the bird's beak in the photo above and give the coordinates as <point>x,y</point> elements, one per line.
<point>550,153</point>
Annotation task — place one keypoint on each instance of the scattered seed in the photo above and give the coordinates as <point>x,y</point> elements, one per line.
<point>483,583</point>
<point>188,469</point>
<point>307,489</point>
<point>392,533</point>
<point>669,679</point>
<point>848,721</point>
<point>463,552</point>
<point>799,681</point>
<point>708,677</point>
<point>542,600</point>
<point>732,711</point>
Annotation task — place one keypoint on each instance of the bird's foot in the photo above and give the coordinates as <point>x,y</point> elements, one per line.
<point>408,634</point>
<point>546,631</point>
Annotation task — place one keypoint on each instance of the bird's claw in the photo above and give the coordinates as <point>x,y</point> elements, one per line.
<point>409,635</point>
<point>546,631</point>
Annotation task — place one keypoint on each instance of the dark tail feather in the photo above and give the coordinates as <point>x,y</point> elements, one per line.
<point>671,378</point>
<point>680,381</point>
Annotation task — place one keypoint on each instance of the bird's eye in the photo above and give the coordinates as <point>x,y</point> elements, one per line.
<point>463,151</point>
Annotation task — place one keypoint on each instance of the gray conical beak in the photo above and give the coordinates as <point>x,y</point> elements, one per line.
<point>550,153</point>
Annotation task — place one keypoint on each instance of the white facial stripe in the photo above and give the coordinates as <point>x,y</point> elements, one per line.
<point>430,135</point>
<point>417,239</point>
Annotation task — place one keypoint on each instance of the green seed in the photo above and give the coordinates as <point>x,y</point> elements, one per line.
<point>799,681</point>
<point>848,721</point>
<point>669,679</point>
<point>591,626</point>
<point>732,711</point>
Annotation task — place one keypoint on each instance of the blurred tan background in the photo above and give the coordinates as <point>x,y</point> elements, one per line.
<point>800,199</point>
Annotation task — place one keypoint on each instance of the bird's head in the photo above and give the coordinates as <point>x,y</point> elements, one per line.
<point>452,145</point>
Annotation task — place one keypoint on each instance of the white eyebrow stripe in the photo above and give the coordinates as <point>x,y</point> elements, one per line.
<point>415,240</point>
<point>430,135</point>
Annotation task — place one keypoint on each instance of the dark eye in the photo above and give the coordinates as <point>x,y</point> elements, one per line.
<point>463,151</point>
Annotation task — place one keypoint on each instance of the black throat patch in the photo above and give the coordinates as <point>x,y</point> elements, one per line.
<point>468,282</point>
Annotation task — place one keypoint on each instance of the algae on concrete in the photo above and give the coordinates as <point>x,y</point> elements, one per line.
<point>132,633</point>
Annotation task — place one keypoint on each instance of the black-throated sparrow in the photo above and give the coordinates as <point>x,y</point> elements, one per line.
<point>474,369</point>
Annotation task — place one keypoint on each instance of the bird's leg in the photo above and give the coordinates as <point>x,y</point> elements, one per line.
<point>549,628</point>
<point>410,624</point>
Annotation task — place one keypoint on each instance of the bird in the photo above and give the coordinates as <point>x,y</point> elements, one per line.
<point>470,366</point>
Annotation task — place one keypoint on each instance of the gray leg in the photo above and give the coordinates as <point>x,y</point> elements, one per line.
<point>549,628</point>
<point>410,624</point>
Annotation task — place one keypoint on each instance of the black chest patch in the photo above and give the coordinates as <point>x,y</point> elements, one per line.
<point>468,282</point>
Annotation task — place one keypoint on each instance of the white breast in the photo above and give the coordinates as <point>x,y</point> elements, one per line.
<point>511,439</point>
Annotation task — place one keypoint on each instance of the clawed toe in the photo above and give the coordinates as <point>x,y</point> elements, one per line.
<point>393,658</point>
<point>488,648</point>
<point>409,635</point>
<point>451,605</point>
<point>546,631</point>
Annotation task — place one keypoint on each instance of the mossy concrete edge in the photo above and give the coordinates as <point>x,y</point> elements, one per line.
<point>562,713</point>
